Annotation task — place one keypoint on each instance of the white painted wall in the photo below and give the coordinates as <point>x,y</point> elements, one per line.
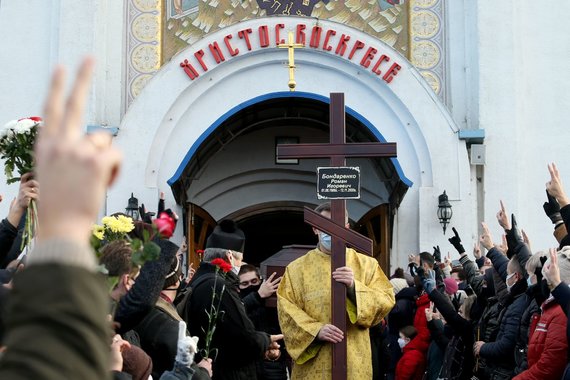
<point>37,35</point>
<point>524,89</point>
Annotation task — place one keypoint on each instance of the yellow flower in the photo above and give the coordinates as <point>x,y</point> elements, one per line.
<point>99,231</point>
<point>118,224</point>
<point>127,224</point>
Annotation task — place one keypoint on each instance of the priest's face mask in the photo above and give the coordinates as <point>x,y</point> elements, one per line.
<point>325,240</point>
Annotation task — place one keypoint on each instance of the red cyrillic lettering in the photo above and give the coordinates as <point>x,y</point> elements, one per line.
<point>244,35</point>
<point>315,37</point>
<point>367,59</point>
<point>357,46</point>
<point>278,40</point>
<point>199,55</point>
<point>216,52</point>
<point>263,36</point>
<point>233,52</point>
<point>326,45</point>
<point>382,58</point>
<point>189,69</point>
<point>341,46</point>
<point>392,72</point>
<point>300,38</point>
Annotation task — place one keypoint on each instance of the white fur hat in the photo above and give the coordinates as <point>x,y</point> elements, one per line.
<point>398,284</point>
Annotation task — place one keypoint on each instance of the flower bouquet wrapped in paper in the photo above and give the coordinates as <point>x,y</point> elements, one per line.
<point>17,140</point>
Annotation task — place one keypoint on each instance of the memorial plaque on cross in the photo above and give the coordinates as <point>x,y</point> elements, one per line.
<point>337,150</point>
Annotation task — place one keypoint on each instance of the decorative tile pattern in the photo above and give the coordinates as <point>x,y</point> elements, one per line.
<point>427,42</point>
<point>144,24</point>
<point>158,29</point>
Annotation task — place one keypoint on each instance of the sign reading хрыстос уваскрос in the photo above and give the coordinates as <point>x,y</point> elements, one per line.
<point>268,35</point>
<point>338,182</point>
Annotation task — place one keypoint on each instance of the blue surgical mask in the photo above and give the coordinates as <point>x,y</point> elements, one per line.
<point>402,343</point>
<point>326,241</point>
<point>529,281</point>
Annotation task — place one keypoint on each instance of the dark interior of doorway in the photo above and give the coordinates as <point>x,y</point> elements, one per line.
<point>267,233</point>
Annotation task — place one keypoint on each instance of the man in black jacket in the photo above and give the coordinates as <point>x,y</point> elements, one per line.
<point>237,342</point>
<point>499,354</point>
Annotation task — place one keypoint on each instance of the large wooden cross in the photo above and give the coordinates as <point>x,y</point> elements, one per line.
<point>338,150</point>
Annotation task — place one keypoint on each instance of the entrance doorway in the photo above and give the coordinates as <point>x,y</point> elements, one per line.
<point>232,173</point>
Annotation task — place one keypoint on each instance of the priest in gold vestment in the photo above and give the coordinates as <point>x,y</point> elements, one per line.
<point>304,307</point>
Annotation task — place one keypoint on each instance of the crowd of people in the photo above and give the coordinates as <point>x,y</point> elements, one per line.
<point>498,315</point>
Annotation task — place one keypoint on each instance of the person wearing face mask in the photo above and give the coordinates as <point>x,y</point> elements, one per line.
<point>413,361</point>
<point>253,292</point>
<point>304,308</point>
<point>499,354</point>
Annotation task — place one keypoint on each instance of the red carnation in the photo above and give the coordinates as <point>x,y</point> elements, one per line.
<point>165,225</point>
<point>222,264</point>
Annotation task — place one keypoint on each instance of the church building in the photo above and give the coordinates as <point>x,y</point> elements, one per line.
<point>199,93</point>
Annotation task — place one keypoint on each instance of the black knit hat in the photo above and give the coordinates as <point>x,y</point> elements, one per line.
<point>226,235</point>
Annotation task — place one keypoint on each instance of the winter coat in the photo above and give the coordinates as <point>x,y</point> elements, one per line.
<point>565,213</point>
<point>265,319</point>
<point>548,345</point>
<point>142,297</point>
<point>562,295</point>
<point>436,350</point>
<point>458,358</point>
<point>401,315</point>
<point>158,333</point>
<point>8,234</point>
<point>499,354</point>
<point>237,342</point>
<point>412,364</point>
<point>521,347</point>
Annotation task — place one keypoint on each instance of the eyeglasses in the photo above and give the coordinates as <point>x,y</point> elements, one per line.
<point>253,281</point>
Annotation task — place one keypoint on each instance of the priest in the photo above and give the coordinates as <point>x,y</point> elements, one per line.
<point>304,307</point>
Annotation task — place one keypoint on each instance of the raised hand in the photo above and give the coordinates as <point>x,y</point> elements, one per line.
<point>269,286</point>
<point>429,281</point>
<point>429,312</point>
<point>456,241</point>
<point>486,238</point>
<point>554,186</point>
<point>437,254</point>
<point>502,217</point>
<point>477,250</point>
<point>74,169</point>
<point>526,239</point>
<point>551,271</point>
<point>552,209</point>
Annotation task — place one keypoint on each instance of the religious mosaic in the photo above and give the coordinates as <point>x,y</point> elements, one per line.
<point>187,21</point>
<point>159,29</point>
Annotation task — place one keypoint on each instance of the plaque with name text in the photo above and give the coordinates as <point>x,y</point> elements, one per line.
<point>338,182</point>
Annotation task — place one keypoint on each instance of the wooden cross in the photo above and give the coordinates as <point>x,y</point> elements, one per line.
<point>291,45</point>
<point>338,150</point>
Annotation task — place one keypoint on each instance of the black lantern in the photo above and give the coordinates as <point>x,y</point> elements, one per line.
<point>444,212</point>
<point>132,209</point>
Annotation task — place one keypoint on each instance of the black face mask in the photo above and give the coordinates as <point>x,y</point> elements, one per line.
<point>247,291</point>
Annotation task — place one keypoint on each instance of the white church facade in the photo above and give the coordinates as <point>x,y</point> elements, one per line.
<point>473,95</point>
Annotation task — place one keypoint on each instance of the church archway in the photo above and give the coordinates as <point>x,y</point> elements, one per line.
<point>232,172</point>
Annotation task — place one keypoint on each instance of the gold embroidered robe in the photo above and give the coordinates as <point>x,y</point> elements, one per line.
<point>304,306</point>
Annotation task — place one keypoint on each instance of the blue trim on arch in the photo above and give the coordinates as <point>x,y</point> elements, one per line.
<point>274,95</point>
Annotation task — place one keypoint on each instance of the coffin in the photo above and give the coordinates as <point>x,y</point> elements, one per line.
<point>278,262</point>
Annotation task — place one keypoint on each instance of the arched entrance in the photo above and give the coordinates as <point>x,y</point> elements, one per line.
<point>233,173</point>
